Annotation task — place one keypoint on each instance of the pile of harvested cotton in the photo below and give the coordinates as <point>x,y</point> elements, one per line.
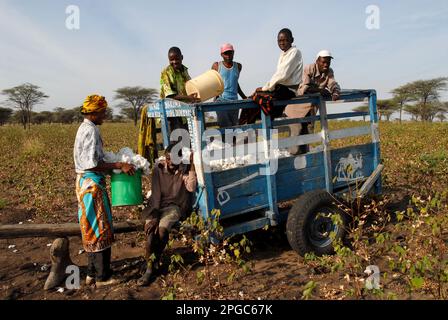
<point>220,160</point>
<point>245,160</point>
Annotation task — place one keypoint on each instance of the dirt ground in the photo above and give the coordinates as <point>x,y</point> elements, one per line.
<point>277,271</point>
<point>23,273</point>
<point>38,187</point>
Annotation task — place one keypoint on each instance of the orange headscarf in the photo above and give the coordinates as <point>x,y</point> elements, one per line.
<point>94,103</point>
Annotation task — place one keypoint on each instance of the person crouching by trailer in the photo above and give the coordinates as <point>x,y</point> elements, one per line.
<point>94,210</point>
<point>173,184</point>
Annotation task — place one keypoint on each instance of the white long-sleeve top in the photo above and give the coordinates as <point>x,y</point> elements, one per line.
<point>88,148</point>
<point>289,70</point>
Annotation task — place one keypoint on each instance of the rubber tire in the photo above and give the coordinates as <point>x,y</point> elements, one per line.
<point>298,216</point>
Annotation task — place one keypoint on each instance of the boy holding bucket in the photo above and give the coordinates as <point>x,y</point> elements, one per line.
<point>94,211</point>
<point>172,85</point>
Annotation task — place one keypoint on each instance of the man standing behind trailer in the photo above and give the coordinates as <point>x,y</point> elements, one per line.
<point>230,73</point>
<point>172,85</point>
<point>172,186</point>
<point>318,78</point>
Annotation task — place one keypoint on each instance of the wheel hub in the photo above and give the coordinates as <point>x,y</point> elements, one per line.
<point>320,227</point>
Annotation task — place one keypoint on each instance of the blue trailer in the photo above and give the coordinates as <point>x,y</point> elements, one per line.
<point>248,196</point>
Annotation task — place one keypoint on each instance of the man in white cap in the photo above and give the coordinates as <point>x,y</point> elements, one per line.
<point>319,78</point>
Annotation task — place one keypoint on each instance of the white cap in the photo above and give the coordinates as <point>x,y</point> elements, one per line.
<point>324,54</point>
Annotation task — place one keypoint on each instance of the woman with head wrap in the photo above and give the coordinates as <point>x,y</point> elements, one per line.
<point>94,210</point>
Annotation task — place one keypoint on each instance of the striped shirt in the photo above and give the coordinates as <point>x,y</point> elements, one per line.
<point>172,82</point>
<point>88,149</point>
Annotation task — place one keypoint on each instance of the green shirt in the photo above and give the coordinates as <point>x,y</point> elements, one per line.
<point>172,82</point>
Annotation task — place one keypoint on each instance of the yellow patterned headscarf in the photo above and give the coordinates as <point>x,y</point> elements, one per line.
<point>94,103</point>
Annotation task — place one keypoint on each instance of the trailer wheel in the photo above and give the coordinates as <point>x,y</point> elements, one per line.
<point>310,223</point>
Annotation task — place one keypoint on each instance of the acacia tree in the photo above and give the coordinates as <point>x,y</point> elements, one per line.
<point>440,111</point>
<point>5,115</point>
<point>135,98</point>
<point>413,111</point>
<point>426,94</point>
<point>62,115</point>
<point>363,108</point>
<point>402,95</point>
<point>127,112</point>
<point>46,116</point>
<point>386,108</point>
<point>24,98</point>
<point>441,117</point>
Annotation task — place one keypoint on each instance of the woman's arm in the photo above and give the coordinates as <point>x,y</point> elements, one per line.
<point>105,167</point>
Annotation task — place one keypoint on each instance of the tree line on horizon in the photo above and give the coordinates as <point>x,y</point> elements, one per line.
<point>22,99</point>
<point>420,99</point>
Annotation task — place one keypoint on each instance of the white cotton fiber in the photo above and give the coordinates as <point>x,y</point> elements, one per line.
<point>217,145</point>
<point>126,155</point>
<point>186,155</point>
<point>241,161</point>
<point>110,157</point>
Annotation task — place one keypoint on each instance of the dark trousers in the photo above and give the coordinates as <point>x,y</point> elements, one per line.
<point>281,92</point>
<point>99,264</point>
<point>176,123</point>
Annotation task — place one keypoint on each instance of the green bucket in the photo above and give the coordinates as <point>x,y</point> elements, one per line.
<point>126,190</point>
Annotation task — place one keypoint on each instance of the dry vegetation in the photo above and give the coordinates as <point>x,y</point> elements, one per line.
<point>404,232</point>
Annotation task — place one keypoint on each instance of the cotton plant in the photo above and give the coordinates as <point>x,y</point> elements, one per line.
<point>126,155</point>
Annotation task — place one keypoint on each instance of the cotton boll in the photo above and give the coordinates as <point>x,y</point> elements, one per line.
<point>127,151</point>
<point>217,145</point>
<point>126,155</point>
<point>186,155</point>
<point>110,157</point>
<point>248,159</point>
<point>212,146</point>
<point>126,158</point>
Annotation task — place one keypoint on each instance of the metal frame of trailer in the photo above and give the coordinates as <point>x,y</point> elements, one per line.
<point>246,196</point>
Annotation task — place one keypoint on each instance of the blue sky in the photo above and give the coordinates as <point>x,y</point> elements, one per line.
<point>125,43</point>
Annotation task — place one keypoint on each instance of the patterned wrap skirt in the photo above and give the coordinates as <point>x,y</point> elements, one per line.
<point>94,212</point>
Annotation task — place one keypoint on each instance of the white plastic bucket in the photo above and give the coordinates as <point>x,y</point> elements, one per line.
<point>206,86</point>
